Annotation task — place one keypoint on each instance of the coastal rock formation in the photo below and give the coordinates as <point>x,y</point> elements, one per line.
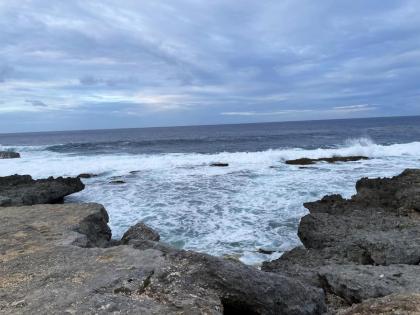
<point>19,190</point>
<point>9,155</point>
<point>59,259</point>
<point>364,247</point>
<point>334,159</point>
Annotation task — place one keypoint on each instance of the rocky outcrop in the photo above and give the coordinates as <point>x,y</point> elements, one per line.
<point>19,190</point>
<point>364,247</point>
<point>58,259</point>
<point>334,159</point>
<point>9,155</point>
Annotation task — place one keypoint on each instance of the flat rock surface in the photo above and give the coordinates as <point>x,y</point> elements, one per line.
<point>20,190</point>
<point>58,259</point>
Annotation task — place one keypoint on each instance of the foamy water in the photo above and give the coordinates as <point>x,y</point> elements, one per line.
<point>255,202</point>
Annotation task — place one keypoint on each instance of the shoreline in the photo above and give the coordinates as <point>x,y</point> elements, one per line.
<point>363,251</point>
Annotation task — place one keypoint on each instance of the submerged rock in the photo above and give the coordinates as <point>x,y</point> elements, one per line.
<point>49,266</point>
<point>334,159</point>
<point>218,164</point>
<point>117,182</point>
<point>19,190</point>
<point>9,155</point>
<point>87,175</point>
<point>364,247</point>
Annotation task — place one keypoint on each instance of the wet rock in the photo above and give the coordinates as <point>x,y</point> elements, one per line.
<point>48,266</point>
<point>117,182</point>
<point>334,159</point>
<point>87,175</point>
<point>18,190</point>
<point>265,251</point>
<point>141,232</point>
<point>219,164</point>
<point>9,155</point>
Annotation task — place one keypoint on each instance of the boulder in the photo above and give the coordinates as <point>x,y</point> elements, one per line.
<point>50,264</point>
<point>19,190</point>
<point>9,155</point>
<point>334,159</point>
<point>141,232</point>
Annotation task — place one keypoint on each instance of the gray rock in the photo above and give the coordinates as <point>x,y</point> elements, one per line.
<point>48,266</point>
<point>395,304</point>
<point>9,155</point>
<point>141,232</point>
<point>356,283</point>
<point>360,248</point>
<point>18,190</point>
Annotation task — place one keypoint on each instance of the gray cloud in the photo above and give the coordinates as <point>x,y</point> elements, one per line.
<point>36,103</point>
<point>217,61</point>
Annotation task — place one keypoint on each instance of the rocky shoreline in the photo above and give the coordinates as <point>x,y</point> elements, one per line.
<point>360,256</point>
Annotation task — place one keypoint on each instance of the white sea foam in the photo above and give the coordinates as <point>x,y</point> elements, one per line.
<point>232,210</point>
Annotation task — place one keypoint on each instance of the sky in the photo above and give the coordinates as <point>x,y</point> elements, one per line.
<point>68,65</point>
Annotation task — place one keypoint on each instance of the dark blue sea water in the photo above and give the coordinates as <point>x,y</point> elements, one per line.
<point>254,202</point>
<point>219,138</point>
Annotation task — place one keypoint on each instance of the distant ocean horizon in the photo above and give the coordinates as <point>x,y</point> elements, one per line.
<point>254,202</point>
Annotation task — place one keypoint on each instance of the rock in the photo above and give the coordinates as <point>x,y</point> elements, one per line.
<point>265,251</point>
<point>360,248</point>
<point>18,190</point>
<point>141,232</point>
<point>87,175</point>
<point>334,159</point>
<point>219,164</point>
<point>117,182</point>
<point>356,283</point>
<point>49,266</point>
<point>404,304</point>
<point>9,155</point>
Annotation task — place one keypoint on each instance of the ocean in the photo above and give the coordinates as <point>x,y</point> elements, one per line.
<point>255,202</point>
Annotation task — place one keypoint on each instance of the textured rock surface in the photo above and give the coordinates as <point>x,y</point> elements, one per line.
<point>48,265</point>
<point>18,190</point>
<point>9,155</point>
<point>141,232</point>
<point>364,247</point>
<point>334,159</point>
<point>398,304</point>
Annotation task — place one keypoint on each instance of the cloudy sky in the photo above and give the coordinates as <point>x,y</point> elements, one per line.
<point>109,64</point>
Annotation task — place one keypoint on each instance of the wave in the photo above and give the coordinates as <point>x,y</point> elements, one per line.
<point>40,161</point>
